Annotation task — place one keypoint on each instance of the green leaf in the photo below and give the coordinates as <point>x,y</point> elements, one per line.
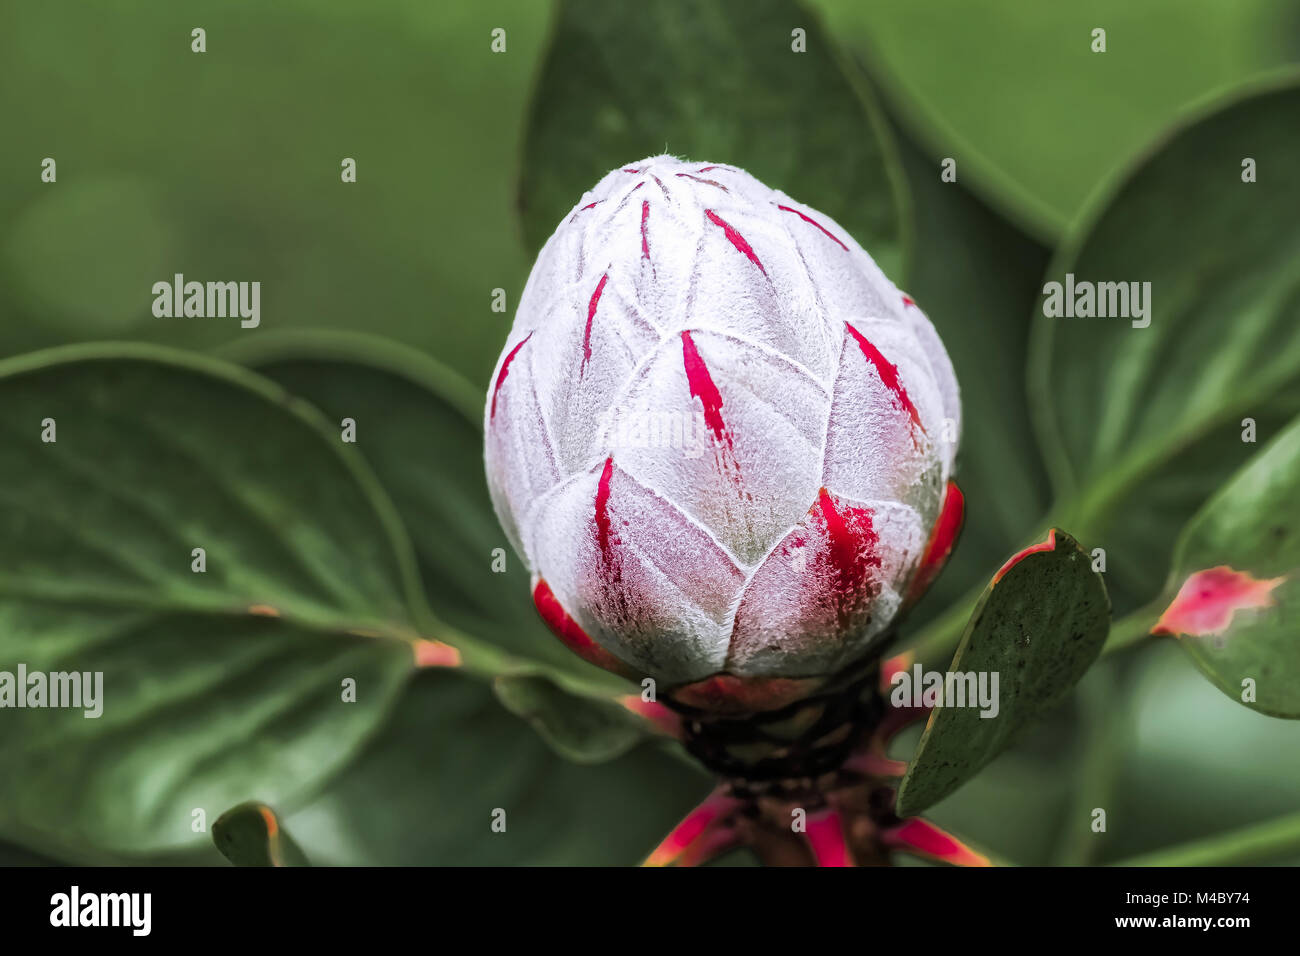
<point>1040,625</point>
<point>427,789</point>
<point>251,835</point>
<point>977,278</point>
<point>584,730</point>
<point>1033,116</point>
<point>138,200</point>
<point>419,426</point>
<point>214,684</point>
<point>1234,594</point>
<point>710,81</point>
<point>1140,425</point>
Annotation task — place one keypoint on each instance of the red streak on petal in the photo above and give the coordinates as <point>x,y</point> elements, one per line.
<point>570,632</point>
<point>707,182</point>
<point>435,654</point>
<point>1045,546</point>
<point>604,534</point>
<point>645,218</point>
<point>923,837</point>
<point>590,205</point>
<point>591,314</point>
<point>638,186</point>
<point>705,169</point>
<point>942,537</point>
<point>702,387</point>
<point>1208,599</point>
<point>888,374</point>
<point>630,170</point>
<point>726,693</point>
<point>852,550</point>
<point>505,370</point>
<point>907,300</point>
<point>660,184</point>
<point>817,224</point>
<point>826,839</point>
<point>736,238</point>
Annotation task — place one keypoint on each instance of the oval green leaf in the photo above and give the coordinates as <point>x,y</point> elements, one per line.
<point>1233,599</point>
<point>715,81</point>
<point>215,682</point>
<point>1142,422</point>
<point>1039,626</point>
<point>251,835</point>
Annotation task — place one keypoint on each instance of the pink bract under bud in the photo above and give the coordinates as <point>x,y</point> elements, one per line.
<point>719,436</point>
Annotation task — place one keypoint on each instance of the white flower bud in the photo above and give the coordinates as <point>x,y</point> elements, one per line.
<point>719,436</point>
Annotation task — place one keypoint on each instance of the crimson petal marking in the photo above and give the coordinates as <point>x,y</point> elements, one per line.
<point>888,375</point>
<point>702,387</point>
<point>853,550</point>
<point>591,314</point>
<point>942,538</point>
<point>817,224</point>
<point>505,370</point>
<point>570,632</point>
<point>645,240</point>
<point>707,182</point>
<point>590,205</point>
<point>735,238</point>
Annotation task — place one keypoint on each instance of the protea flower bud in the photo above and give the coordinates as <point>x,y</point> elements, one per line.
<point>720,437</point>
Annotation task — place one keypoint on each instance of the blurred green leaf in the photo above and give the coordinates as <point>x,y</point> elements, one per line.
<point>977,277</point>
<point>1234,593</point>
<point>585,730</point>
<point>1141,425</point>
<point>419,426</point>
<point>215,684</point>
<point>1034,118</point>
<point>427,789</point>
<point>156,174</point>
<point>710,81</point>
<point>1238,766</point>
<point>251,835</point>
<point>1040,625</point>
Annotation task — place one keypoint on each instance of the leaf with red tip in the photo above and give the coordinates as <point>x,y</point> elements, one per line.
<point>251,835</point>
<point>1038,627</point>
<point>704,833</point>
<point>664,720</point>
<point>1233,598</point>
<point>826,839</point>
<point>922,838</point>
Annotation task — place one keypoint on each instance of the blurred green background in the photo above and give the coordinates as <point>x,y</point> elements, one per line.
<point>226,165</point>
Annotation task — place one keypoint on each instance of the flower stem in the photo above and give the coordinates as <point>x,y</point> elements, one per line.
<point>1257,843</point>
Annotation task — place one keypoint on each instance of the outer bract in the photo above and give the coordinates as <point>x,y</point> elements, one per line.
<point>720,437</point>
